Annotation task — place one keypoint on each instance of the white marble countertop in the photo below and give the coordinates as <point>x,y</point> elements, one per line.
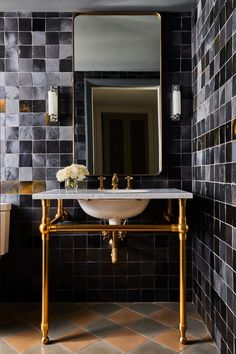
<point>160,193</point>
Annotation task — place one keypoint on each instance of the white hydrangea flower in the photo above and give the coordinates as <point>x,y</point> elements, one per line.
<point>62,175</point>
<point>73,171</point>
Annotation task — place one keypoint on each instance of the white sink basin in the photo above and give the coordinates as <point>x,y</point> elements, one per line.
<point>115,209</point>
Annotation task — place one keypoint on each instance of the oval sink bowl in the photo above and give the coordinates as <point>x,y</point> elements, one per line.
<point>113,209</point>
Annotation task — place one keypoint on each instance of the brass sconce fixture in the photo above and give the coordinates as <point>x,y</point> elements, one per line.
<point>176,103</point>
<point>52,115</point>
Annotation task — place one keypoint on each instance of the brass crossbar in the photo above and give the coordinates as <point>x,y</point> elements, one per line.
<point>51,226</point>
<point>99,228</point>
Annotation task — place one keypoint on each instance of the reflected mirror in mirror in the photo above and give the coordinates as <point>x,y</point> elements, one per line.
<point>117,87</point>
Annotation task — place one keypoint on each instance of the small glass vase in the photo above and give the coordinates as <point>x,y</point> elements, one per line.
<point>75,184</point>
<point>70,184</point>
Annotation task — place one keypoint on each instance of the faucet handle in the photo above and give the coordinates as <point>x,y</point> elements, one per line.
<point>101,180</point>
<point>129,179</point>
<point>114,181</point>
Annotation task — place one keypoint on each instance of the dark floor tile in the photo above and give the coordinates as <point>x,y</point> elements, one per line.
<point>148,327</point>
<point>106,308</point>
<point>152,348</point>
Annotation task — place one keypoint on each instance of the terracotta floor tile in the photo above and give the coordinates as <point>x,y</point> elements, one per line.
<point>196,316</point>
<point>103,327</point>
<point>151,347</point>
<point>100,348</point>
<point>5,349</point>
<point>77,340</point>
<point>145,308</point>
<point>84,317</point>
<point>196,328</point>
<point>25,340</point>
<point>207,338</point>
<point>125,317</point>
<point>201,348</point>
<point>47,349</point>
<point>125,339</point>
<point>12,327</point>
<point>106,308</point>
<point>59,327</point>
<point>148,327</point>
<point>170,338</point>
<point>166,316</point>
<point>34,318</point>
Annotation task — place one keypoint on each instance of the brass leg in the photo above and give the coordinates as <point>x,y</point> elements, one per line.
<point>45,240</point>
<point>183,228</point>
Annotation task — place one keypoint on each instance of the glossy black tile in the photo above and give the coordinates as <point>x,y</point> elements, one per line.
<point>25,24</point>
<point>212,236</point>
<point>38,24</point>
<point>39,151</point>
<point>25,38</point>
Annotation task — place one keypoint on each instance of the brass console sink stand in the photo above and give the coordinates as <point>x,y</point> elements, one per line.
<point>51,226</point>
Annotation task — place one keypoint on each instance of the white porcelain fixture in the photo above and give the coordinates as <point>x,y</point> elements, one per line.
<point>114,205</point>
<point>113,209</point>
<point>151,193</point>
<point>4,227</point>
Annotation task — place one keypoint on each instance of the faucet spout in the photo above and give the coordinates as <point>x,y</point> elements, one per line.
<point>115,181</point>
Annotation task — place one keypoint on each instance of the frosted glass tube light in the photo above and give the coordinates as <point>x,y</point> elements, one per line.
<point>176,103</point>
<point>53,104</point>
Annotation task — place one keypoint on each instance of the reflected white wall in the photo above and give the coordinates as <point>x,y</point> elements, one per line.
<point>117,43</point>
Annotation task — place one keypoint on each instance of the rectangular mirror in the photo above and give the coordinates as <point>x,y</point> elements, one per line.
<point>117,92</point>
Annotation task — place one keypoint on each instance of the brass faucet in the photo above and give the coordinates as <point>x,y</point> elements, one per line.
<point>101,180</point>
<point>115,181</point>
<point>129,179</point>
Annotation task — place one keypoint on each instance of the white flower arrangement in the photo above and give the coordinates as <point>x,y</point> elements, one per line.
<point>73,172</point>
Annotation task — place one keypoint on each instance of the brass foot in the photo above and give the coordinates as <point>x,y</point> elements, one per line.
<point>45,340</point>
<point>44,331</point>
<point>183,340</point>
<point>182,328</point>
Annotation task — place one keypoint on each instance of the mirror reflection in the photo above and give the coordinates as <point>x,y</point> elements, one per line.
<point>117,61</point>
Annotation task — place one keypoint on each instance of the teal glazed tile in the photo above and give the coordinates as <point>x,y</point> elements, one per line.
<point>151,347</point>
<point>100,348</point>
<point>148,327</point>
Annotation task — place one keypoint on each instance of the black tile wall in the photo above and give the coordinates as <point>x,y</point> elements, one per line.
<point>36,51</point>
<point>214,147</point>
<point>176,173</point>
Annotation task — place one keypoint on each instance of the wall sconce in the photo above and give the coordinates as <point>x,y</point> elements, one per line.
<point>176,103</point>
<point>53,104</point>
